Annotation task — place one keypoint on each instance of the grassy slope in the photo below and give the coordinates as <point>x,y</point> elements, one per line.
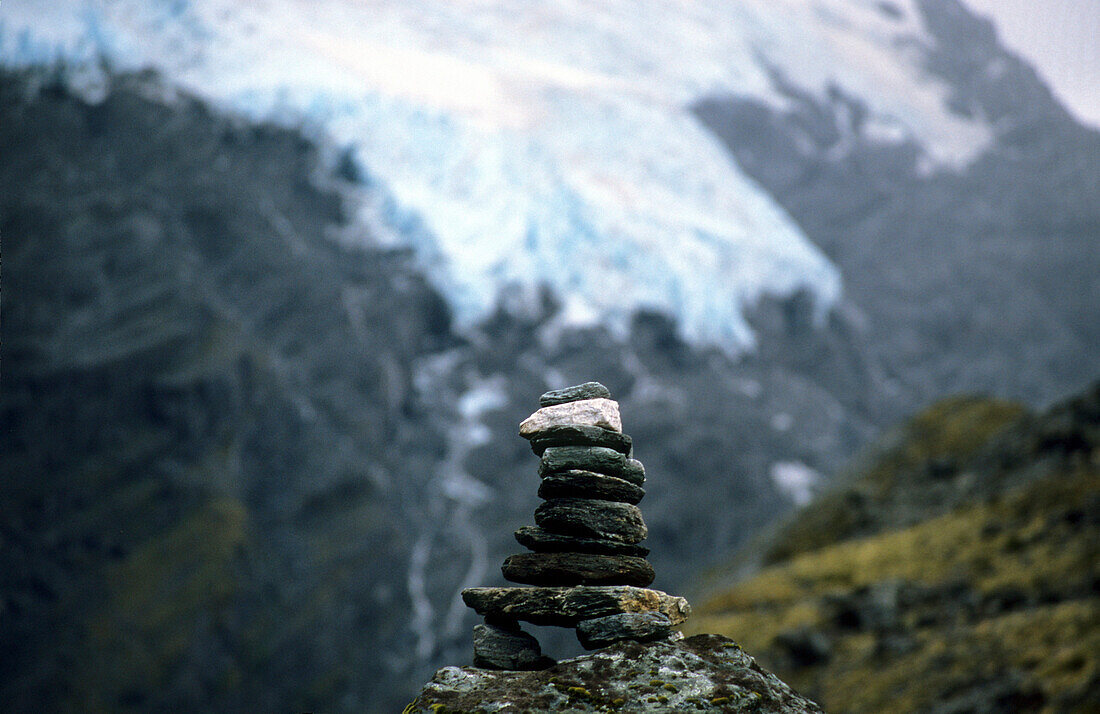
<point>986,604</point>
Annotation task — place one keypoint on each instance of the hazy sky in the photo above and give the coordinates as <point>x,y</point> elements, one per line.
<point>1061,38</point>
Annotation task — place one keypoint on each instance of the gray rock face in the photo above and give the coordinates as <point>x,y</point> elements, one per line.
<point>588,390</point>
<point>589,484</point>
<point>507,647</point>
<point>565,607</point>
<point>637,626</point>
<point>606,520</point>
<point>587,412</point>
<point>1029,199</point>
<point>705,672</point>
<point>536,539</point>
<point>577,569</point>
<point>579,435</point>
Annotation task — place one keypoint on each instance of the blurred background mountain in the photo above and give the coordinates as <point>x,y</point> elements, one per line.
<point>283,279</point>
<point>955,568</point>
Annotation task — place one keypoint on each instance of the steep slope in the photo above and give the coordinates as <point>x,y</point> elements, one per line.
<point>188,519</point>
<point>247,462</point>
<point>956,571</point>
<point>965,279</point>
<point>224,400</point>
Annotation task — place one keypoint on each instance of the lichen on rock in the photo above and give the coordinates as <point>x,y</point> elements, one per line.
<point>701,673</point>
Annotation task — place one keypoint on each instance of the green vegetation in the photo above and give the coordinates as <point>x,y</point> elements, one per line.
<point>991,604</point>
<point>935,441</point>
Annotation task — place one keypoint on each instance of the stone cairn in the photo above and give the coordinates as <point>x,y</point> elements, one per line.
<point>586,566</point>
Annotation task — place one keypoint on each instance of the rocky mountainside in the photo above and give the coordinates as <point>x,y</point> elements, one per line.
<point>200,433</point>
<point>308,461</point>
<point>254,451</point>
<point>957,568</point>
<point>960,280</point>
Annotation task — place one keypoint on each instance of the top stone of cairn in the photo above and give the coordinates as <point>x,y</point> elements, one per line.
<point>588,390</point>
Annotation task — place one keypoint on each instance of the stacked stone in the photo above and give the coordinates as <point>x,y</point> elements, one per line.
<point>587,565</point>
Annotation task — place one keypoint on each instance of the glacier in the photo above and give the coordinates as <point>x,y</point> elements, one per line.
<point>526,145</point>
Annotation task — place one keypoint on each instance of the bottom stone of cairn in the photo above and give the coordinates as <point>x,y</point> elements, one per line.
<point>637,626</point>
<point>505,646</point>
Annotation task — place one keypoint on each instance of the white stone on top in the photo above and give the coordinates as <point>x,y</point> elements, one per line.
<point>585,412</point>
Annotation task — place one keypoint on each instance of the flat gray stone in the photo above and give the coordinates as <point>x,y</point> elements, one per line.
<point>589,458</point>
<point>577,569</point>
<point>588,518</point>
<point>565,607</point>
<point>497,646</point>
<point>636,626</point>
<point>538,540</point>
<point>579,435</point>
<point>588,390</point>
<point>603,413</point>
<point>589,484</point>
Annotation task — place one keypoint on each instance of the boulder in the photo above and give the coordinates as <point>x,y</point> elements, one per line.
<point>705,672</point>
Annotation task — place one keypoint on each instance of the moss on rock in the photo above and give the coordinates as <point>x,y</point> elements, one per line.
<point>993,605</point>
<point>702,673</point>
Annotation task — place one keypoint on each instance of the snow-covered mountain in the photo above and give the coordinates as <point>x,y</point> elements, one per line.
<point>546,145</point>
<point>280,362</point>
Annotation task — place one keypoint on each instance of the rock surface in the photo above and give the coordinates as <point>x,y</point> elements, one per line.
<point>263,361</point>
<point>633,471</point>
<point>566,607</point>
<point>507,647</point>
<point>637,626</point>
<point>590,518</point>
<point>589,484</point>
<point>577,569</point>
<point>585,458</point>
<point>702,673</point>
<point>603,413</point>
<point>579,435</point>
<point>588,390</point>
<point>536,539</point>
